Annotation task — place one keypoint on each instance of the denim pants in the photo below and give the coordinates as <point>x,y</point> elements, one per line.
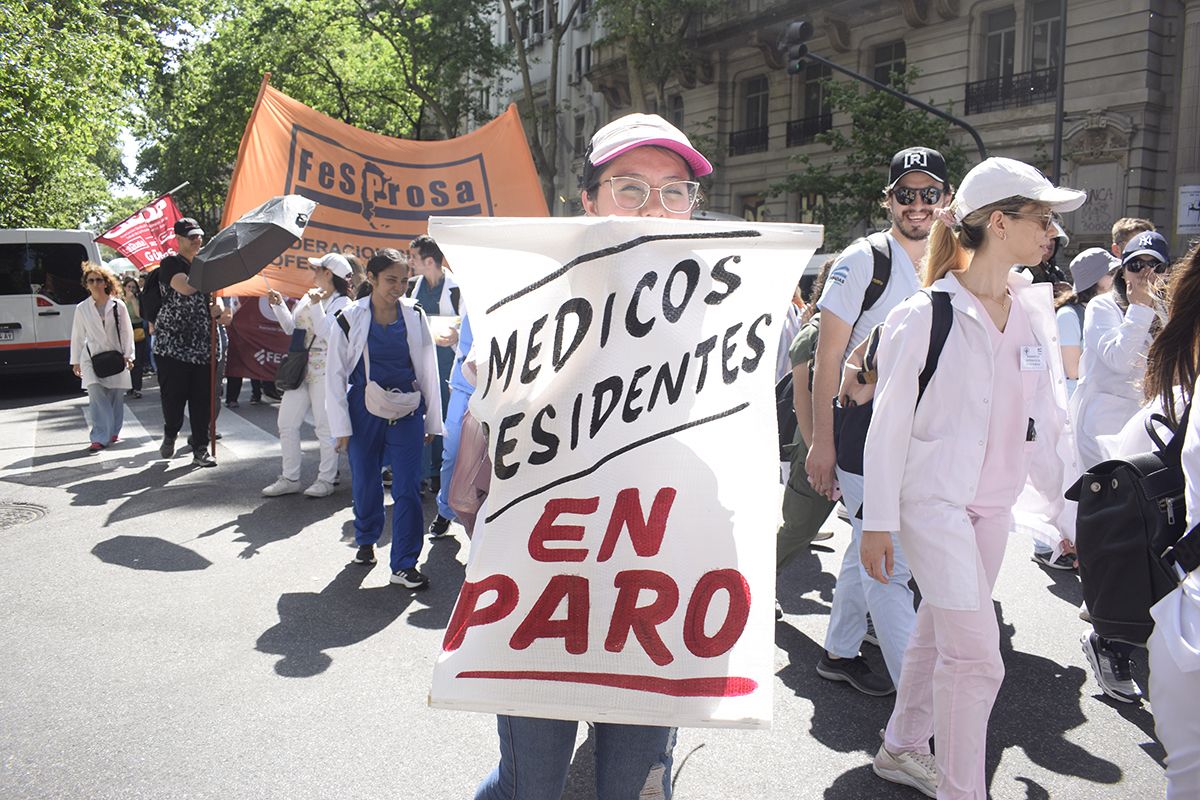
<point>107,409</point>
<point>454,417</point>
<point>856,593</point>
<point>633,762</point>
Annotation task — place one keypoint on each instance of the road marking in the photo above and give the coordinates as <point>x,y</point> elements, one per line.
<point>19,432</point>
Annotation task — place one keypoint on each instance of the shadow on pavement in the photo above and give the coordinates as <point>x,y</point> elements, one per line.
<point>801,576</point>
<point>445,574</point>
<point>1064,584</point>
<point>340,615</point>
<point>150,553</point>
<point>266,524</point>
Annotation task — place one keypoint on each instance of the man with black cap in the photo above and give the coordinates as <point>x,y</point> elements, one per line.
<point>182,346</point>
<point>870,278</point>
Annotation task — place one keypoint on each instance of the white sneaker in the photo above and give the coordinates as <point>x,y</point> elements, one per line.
<point>917,770</point>
<point>319,488</point>
<point>281,486</point>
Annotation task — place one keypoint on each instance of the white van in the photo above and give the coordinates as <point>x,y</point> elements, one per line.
<point>40,273</point>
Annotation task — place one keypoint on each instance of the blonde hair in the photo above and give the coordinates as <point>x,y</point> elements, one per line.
<point>950,249</point>
<point>112,286</point>
<point>1124,229</point>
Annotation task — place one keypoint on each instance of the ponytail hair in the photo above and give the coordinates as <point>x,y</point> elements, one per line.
<point>1176,349</point>
<point>950,248</point>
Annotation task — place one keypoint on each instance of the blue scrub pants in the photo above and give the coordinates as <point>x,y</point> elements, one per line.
<point>375,443</point>
<point>455,410</point>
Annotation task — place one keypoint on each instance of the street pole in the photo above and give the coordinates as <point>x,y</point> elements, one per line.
<point>907,99</point>
<point>1058,102</point>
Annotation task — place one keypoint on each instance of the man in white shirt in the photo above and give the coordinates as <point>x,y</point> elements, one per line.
<point>851,305</point>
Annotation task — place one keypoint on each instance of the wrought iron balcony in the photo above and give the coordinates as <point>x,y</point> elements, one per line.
<point>804,131</point>
<point>750,140</point>
<point>1012,91</point>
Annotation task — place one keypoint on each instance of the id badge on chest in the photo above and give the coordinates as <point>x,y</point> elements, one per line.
<point>1033,358</point>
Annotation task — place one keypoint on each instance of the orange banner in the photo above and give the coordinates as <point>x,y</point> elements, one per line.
<point>371,191</point>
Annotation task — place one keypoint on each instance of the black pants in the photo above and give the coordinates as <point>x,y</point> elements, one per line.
<point>141,354</point>
<point>180,384</point>
<point>233,388</point>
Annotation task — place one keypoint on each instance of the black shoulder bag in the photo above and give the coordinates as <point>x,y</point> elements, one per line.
<point>109,362</point>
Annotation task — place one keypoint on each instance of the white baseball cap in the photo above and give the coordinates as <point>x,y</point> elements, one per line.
<point>335,263</point>
<point>642,130</point>
<point>996,179</point>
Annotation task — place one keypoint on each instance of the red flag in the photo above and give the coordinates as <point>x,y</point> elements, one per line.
<point>147,236</point>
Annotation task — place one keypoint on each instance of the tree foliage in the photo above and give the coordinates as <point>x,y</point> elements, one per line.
<point>69,73</point>
<point>849,185</point>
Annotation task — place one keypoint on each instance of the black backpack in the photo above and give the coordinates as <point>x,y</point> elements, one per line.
<point>1129,534</point>
<point>152,297</point>
<point>850,424</point>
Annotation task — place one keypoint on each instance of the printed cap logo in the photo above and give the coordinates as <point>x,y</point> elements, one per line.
<point>1145,240</point>
<point>916,159</point>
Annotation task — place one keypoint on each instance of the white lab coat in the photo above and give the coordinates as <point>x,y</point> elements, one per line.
<point>922,466</point>
<point>344,353</point>
<point>445,301</point>
<point>1115,345</point>
<point>90,334</point>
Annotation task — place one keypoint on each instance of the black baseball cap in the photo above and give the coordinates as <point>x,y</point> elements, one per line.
<point>186,226</point>
<point>918,159</point>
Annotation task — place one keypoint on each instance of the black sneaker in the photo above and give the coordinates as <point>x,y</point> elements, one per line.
<point>1111,669</point>
<point>365,555</point>
<point>168,447</point>
<point>411,577</point>
<point>232,404</point>
<point>201,458</point>
<point>439,528</point>
<point>387,476</point>
<point>856,672</point>
<point>256,401</point>
<point>1065,561</point>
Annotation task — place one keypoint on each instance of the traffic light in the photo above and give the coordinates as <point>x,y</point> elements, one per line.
<point>794,40</point>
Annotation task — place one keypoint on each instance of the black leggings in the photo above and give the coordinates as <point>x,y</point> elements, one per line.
<point>184,384</point>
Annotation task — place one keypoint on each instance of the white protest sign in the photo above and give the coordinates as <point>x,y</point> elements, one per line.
<point>622,567</point>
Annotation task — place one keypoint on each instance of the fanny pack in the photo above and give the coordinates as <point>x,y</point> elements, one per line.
<point>390,404</point>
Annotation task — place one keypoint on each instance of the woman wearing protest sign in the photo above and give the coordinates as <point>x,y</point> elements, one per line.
<point>383,402</point>
<point>638,165</point>
<point>102,326</point>
<point>308,324</point>
<point>948,483</point>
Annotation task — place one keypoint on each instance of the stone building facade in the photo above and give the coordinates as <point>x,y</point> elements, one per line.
<point>1131,126</point>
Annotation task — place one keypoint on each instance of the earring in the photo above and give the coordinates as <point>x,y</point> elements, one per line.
<point>1003,236</point>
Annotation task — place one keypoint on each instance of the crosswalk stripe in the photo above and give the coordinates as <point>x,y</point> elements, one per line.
<point>19,429</point>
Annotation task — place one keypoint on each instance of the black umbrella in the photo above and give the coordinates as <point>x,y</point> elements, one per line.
<point>243,249</point>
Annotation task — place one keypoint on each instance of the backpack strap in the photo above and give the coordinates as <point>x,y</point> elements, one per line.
<point>455,294</point>
<point>342,322</point>
<point>881,251</point>
<point>943,321</point>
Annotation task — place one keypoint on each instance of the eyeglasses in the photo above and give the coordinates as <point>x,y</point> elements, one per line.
<point>96,280</point>
<point>630,194</point>
<point>1045,220</point>
<point>906,196</point>
<point>1136,265</point>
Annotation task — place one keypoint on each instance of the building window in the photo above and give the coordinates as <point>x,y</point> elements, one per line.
<point>1002,86</point>
<point>551,15</point>
<point>752,138</point>
<point>676,101</point>
<point>817,116</point>
<point>537,16</point>
<point>580,143</point>
<point>583,61</point>
<point>890,58</point>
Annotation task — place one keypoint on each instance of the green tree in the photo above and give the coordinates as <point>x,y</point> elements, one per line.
<point>849,185</point>
<point>654,35</point>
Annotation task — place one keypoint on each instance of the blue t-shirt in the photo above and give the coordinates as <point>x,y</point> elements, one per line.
<point>465,340</point>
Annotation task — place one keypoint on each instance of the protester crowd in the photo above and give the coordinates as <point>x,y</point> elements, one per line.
<point>962,303</point>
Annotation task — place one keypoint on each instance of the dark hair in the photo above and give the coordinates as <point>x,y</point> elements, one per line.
<point>137,287</point>
<point>818,284</point>
<point>387,257</point>
<point>1072,297</point>
<point>428,248</point>
<point>340,284</point>
<point>1173,356</point>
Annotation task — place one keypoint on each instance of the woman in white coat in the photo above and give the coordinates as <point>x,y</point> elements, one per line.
<point>102,324</point>
<point>1174,368</point>
<point>381,352</point>
<point>310,316</point>
<point>1117,331</point>
<point>946,473</point>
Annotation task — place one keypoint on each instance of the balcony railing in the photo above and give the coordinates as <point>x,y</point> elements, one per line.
<point>750,140</point>
<point>1012,91</point>
<point>804,131</point>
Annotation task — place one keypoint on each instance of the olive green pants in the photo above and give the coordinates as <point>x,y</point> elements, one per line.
<point>804,511</point>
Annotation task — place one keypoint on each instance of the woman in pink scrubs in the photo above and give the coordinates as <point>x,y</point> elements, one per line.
<point>946,472</point>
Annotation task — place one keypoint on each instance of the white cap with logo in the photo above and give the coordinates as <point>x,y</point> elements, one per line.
<point>335,263</point>
<point>995,179</point>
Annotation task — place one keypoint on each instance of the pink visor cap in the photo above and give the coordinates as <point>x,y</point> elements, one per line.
<point>645,130</point>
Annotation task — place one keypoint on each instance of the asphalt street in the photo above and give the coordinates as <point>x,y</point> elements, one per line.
<point>169,633</point>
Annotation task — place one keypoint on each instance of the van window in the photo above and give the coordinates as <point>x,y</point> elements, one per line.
<point>55,267</point>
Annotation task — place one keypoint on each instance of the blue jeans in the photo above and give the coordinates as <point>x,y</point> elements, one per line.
<point>856,593</point>
<point>632,761</point>
<point>374,444</point>
<point>107,408</point>
<point>454,417</point>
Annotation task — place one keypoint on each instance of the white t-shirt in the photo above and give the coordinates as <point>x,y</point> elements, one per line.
<point>847,284</point>
<point>1070,327</point>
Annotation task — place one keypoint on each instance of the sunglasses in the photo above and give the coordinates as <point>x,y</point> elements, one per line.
<point>905,196</point>
<point>1136,265</point>
<point>96,280</point>
<point>1044,220</point>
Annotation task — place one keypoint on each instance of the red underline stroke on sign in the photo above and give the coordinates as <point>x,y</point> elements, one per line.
<point>675,687</point>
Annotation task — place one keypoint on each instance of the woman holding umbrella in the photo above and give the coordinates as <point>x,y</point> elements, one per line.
<point>381,347</point>
<point>102,325</point>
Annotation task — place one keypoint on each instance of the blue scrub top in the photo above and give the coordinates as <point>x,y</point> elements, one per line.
<point>391,363</point>
<point>465,340</point>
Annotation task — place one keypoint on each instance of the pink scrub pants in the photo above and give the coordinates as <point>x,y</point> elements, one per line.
<point>952,673</point>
